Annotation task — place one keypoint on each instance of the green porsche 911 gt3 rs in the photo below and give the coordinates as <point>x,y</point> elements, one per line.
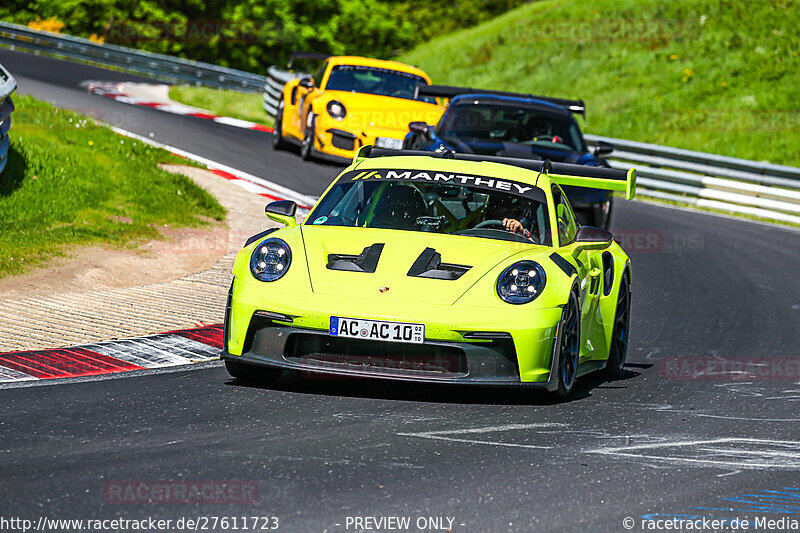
<point>447,268</point>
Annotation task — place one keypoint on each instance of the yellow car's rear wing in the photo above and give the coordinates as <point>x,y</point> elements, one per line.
<point>610,179</point>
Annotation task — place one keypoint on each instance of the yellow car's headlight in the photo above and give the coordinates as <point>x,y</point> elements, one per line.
<point>336,109</point>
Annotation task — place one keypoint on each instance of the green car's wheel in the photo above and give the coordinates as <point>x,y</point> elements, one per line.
<point>251,373</point>
<point>619,335</point>
<point>308,140</point>
<point>569,347</point>
<point>278,142</point>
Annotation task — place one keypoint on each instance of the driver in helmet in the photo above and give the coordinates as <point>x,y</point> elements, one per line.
<point>513,212</point>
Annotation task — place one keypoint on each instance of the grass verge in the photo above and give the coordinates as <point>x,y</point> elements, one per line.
<point>709,75</point>
<point>71,182</point>
<point>245,106</point>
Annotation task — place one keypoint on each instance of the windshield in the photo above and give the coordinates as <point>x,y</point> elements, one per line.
<point>502,123</point>
<point>372,80</point>
<point>434,202</point>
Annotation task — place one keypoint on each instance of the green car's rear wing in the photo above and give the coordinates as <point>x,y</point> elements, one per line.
<point>610,179</point>
<point>448,91</point>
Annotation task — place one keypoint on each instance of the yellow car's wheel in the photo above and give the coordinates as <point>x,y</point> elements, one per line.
<point>307,148</point>
<point>278,142</point>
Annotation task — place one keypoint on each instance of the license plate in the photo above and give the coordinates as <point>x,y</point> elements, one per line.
<point>386,142</point>
<point>377,330</point>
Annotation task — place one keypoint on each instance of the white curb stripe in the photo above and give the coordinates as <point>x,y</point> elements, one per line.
<point>157,351</point>
<point>115,91</point>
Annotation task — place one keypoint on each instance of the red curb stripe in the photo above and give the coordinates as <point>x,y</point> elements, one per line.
<point>202,115</point>
<point>231,177</point>
<point>222,173</point>
<point>210,335</point>
<point>112,91</point>
<point>64,363</point>
<point>265,195</point>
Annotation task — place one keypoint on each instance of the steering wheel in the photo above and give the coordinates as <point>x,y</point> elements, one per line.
<point>488,223</point>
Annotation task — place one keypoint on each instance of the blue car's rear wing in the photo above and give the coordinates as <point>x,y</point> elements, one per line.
<point>447,91</point>
<point>305,56</point>
<point>610,179</point>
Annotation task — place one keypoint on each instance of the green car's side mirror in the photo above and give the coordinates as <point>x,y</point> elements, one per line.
<point>283,212</point>
<point>591,238</point>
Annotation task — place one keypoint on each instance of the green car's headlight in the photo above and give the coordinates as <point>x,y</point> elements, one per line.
<point>521,283</point>
<point>270,260</point>
<point>336,109</point>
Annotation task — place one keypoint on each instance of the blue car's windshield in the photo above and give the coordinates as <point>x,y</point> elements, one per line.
<point>435,202</point>
<point>373,80</point>
<point>503,123</point>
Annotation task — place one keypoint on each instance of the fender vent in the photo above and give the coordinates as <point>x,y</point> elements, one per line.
<point>366,261</point>
<point>608,273</point>
<point>429,265</point>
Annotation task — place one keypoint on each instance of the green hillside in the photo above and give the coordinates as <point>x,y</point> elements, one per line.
<point>716,76</point>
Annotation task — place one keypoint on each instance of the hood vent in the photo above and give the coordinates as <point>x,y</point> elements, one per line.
<point>429,265</point>
<point>366,261</point>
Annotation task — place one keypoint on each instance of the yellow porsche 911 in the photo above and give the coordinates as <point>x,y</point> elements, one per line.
<point>350,102</point>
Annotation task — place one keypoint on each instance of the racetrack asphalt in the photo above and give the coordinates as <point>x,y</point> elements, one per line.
<point>708,293</point>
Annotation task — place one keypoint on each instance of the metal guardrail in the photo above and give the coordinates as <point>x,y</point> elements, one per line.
<point>164,67</point>
<point>276,79</point>
<point>713,181</point>
<point>7,86</point>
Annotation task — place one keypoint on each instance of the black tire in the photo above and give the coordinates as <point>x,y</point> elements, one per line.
<point>278,142</point>
<point>619,335</point>
<point>568,347</point>
<point>258,375</point>
<point>307,146</point>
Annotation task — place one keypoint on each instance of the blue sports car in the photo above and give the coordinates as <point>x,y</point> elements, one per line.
<point>516,125</point>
